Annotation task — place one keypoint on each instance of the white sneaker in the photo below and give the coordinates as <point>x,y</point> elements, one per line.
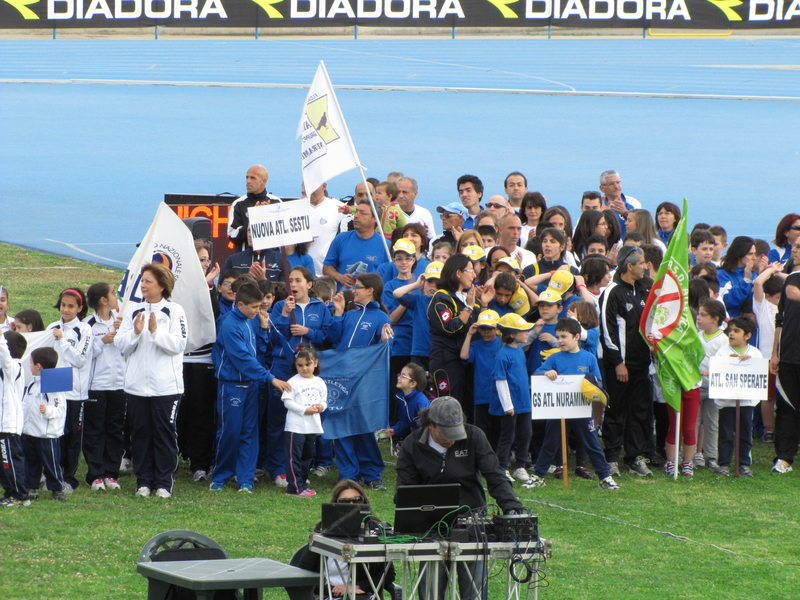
<point>162,493</point>
<point>521,474</point>
<point>280,481</point>
<point>68,489</point>
<point>111,483</point>
<point>200,475</point>
<point>509,477</point>
<point>551,469</point>
<point>125,464</point>
<point>143,491</point>
<point>98,484</point>
<point>781,466</point>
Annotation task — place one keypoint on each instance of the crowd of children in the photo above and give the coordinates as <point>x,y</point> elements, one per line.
<point>463,320</point>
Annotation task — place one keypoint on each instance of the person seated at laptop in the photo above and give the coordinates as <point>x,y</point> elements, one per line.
<point>350,492</point>
<point>445,449</point>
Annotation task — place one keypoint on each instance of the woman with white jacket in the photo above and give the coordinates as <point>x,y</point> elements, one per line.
<point>152,338</point>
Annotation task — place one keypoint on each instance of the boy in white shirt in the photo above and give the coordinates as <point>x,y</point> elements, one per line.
<point>739,331</point>
<point>767,289</point>
<point>45,415</point>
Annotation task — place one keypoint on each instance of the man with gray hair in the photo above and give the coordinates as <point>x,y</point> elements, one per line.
<point>613,198</point>
<point>407,190</point>
<point>628,421</point>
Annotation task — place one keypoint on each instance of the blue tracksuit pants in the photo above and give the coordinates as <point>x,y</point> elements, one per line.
<point>237,432</point>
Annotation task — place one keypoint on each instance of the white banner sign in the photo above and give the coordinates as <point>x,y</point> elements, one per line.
<point>734,379</point>
<point>281,224</point>
<point>559,399</point>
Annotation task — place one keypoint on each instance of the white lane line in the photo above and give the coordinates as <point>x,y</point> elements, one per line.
<point>76,249</point>
<point>395,88</point>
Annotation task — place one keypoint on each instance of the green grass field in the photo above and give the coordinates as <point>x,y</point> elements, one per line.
<point>710,537</point>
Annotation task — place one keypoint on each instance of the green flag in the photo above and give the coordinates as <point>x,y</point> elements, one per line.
<point>667,322</point>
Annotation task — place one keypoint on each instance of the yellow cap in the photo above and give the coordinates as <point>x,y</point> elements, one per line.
<point>488,318</point>
<point>550,296</point>
<point>405,245</point>
<point>434,270</point>
<point>515,322</point>
<point>592,391</point>
<point>511,262</point>
<point>474,253</point>
<point>561,281</point>
<point>519,302</point>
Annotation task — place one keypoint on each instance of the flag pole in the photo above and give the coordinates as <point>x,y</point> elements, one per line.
<point>677,442</point>
<point>564,456</point>
<point>736,441</point>
<point>375,211</point>
<point>286,273</point>
<point>355,155</point>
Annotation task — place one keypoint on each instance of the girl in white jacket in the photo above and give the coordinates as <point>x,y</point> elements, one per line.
<point>306,400</point>
<point>74,347</point>
<point>104,414</point>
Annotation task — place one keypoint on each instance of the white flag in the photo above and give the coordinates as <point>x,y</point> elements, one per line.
<point>169,242</point>
<point>35,339</point>
<point>326,147</point>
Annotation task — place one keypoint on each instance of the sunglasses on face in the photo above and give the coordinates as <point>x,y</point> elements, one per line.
<point>351,500</point>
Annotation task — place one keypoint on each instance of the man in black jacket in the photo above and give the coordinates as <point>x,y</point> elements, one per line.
<point>447,450</point>
<point>628,420</point>
<point>256,182</point>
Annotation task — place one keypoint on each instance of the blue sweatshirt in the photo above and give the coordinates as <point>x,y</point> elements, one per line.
<point>539,351</point>
<point>571,363</point>
<point>408,408</point>
<point>315,316</point>
<point>234,353</point>
<point>510,367</point>
<point>734,290</point>
<point>417,305</point>
<point>483,355</point>
<point>403,329</point>
<point>360,327</point>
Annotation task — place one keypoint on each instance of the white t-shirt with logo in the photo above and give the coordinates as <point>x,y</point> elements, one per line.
<point>326,221</point>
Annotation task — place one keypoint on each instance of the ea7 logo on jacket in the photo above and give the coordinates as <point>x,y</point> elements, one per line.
<point>462,453</point>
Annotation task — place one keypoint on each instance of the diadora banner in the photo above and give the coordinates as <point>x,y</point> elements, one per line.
<point>685,14</point>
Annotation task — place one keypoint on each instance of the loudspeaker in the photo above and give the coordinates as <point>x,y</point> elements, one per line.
<point>199,226</point>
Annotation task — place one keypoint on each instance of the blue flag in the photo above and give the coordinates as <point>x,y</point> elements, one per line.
<point>358,394</point>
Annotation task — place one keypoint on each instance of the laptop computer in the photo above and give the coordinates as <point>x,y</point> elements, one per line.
<point>420,507</point>
<point>343,520</point>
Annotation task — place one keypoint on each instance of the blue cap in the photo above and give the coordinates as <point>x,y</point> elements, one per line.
<point>454,207</point>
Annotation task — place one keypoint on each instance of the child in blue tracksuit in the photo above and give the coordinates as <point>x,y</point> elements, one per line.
<point>238,374</point>
<point>411,381</point>
<point>311,323</point>
<point>358,456</point>
<point>482,353</point>
<point>512,409</point>
<point>571,360</point>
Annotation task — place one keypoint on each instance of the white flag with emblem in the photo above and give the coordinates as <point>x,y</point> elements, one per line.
<point>169,242</point>
<point>326,147</point>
